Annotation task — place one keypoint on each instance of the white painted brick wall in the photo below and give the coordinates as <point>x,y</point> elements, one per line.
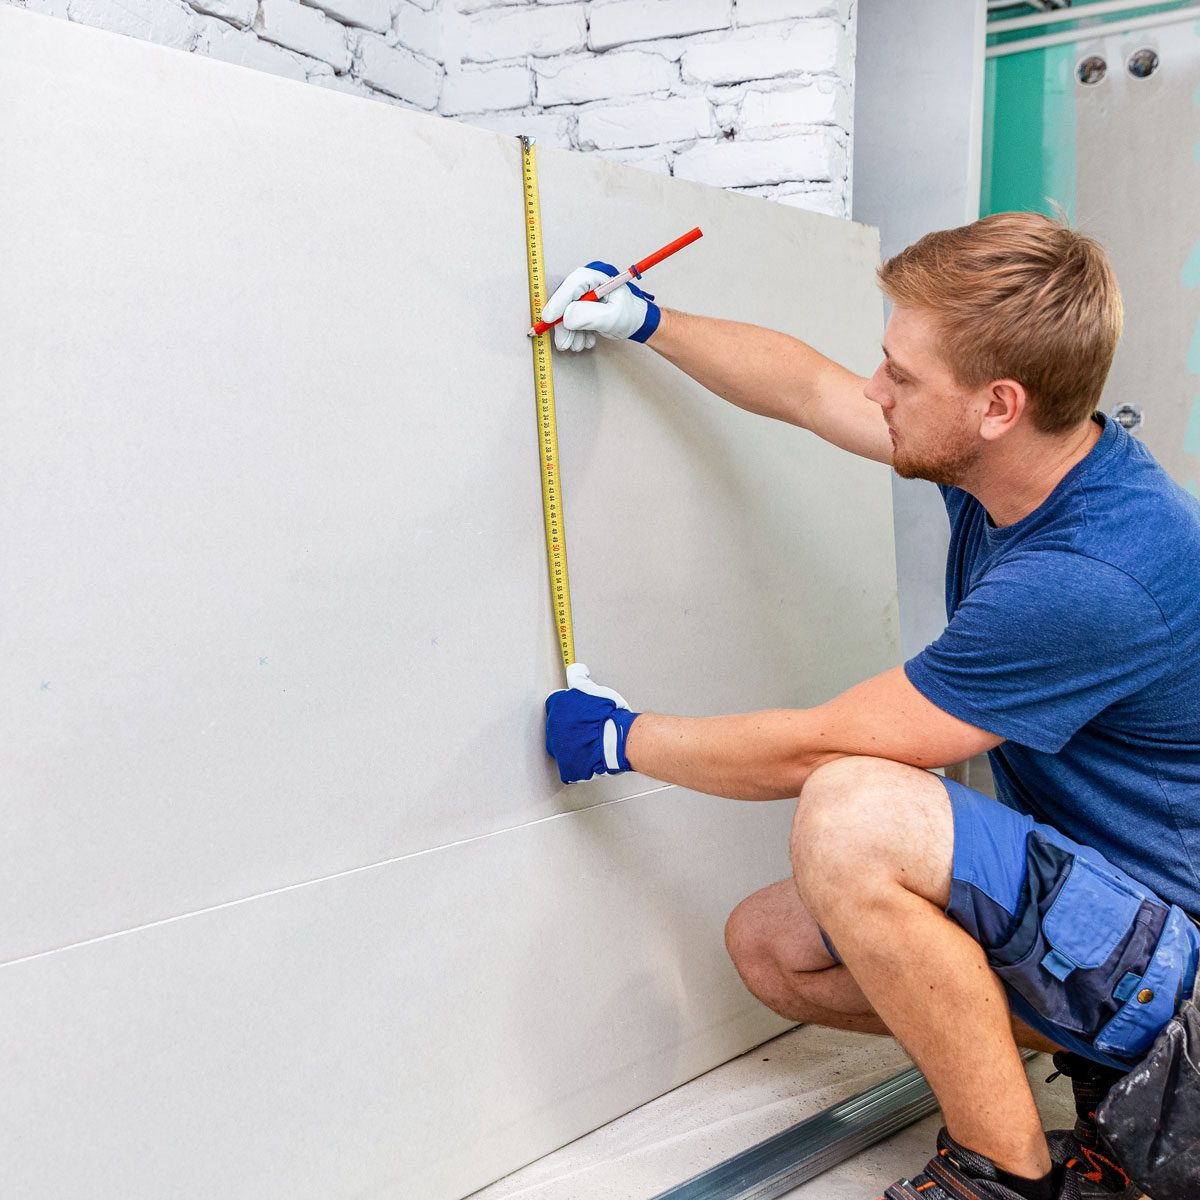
<point>304,30</point>
<point>640,20</point>
<point>397,71</point>
<point>366,14</point>
<point>239,13</point>
<point>219,40</point>
<point>808,156</point>
<point>168,22</point>
<point>800,48</point>
<point>601,76</point>
<point>517,32</point>
<point>420,29</point>
<point>486,90</point>
<point>751,12</point>
<point>755,95</point>
<point>646,123</point>
<point>825,102</point>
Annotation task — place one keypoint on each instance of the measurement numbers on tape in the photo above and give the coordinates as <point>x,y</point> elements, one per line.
<point>543,376</point>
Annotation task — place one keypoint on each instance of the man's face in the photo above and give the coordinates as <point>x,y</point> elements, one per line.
<point>934,424</point>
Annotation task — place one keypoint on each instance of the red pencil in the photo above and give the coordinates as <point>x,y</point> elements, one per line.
<point>634,272</point>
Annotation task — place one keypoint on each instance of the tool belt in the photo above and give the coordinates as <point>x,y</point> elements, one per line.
<point>1151,1117</point>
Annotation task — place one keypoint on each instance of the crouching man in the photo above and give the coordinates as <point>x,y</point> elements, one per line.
<point>1058,916</point>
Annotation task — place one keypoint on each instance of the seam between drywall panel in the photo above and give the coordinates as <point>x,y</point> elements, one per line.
<point>291,887</point>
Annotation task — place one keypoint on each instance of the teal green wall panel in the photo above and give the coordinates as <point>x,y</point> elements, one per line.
<point>1029,132</point>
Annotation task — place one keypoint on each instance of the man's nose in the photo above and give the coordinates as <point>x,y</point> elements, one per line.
<point>876,393</point>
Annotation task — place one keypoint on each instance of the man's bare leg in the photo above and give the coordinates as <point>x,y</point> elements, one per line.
<point>777,948</point>
<point>872,850</point>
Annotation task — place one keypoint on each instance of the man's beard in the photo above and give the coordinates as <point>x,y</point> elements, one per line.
<point>948,464</point>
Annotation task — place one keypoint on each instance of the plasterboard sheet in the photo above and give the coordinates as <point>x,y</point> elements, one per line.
<point>1133,150</point>
<point>275,601</point>
<point>722,562</point>
<point>415,1029</point>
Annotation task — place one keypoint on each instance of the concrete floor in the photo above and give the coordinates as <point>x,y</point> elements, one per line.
<point>727,1110</point>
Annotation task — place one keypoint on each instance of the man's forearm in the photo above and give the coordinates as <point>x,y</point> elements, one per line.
<point>754,756</point>
<point>757,369</point>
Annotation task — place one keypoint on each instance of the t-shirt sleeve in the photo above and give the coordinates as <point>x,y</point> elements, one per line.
<point>1041,645</point>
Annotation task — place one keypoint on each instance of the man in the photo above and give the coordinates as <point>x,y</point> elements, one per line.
<point>1071,656</point>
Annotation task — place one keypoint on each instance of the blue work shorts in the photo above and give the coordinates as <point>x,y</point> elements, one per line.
<point>1089,957</point>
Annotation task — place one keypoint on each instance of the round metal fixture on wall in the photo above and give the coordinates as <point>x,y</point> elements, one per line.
<point>1091,70</point>
<point>1129,416</point>
<point>1142,63</point>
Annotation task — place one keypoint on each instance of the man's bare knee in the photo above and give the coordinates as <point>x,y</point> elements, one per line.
<point>866,826</point>
<point>771,927</point>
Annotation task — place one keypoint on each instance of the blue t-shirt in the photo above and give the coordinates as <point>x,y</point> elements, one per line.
<point>1075,635</point>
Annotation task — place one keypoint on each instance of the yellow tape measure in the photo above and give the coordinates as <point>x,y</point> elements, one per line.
<point>543,375</point>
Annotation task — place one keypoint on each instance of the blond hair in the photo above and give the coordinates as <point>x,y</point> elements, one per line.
<point>1018,296</point>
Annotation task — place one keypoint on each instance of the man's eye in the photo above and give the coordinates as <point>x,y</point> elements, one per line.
<point>891,374</point>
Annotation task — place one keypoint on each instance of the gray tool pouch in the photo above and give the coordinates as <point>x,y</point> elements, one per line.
<point>1151,1117</point>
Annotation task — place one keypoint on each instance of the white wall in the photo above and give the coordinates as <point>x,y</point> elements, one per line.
<point>754,95</point>
<point>293,905</point>
<point>918,120</point>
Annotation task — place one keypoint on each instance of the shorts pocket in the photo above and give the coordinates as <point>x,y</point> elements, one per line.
<point>1151,998</point>
<point>1085,933</point>
<point>1088,919</point>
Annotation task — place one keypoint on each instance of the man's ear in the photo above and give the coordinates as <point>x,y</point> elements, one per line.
<point>1007,401</point>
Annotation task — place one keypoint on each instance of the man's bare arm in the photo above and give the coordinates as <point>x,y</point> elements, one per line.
<point>778,376</point>
<point>769,755</point>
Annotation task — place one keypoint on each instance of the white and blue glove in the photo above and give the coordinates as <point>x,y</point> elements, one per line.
<point>626,313</point>
<point>586,728</point>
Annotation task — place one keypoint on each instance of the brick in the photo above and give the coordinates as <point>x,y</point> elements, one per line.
<point>303,29</point>
<point>161,21</point>
<point>516,32</point>
<point>808,156</point>
<point>221,41</point>
<point>49,8</point>
<point>398,72</point>
<point>473,6</point>
<point>238,12</point>
<point>348,85</point>
<point>640,20</point>
<point>644,160</point>
<point>805,48</point>
<point>547,128</point>
<point>646,123</point>
<point>827,199</point>
<point>821,103</point>
<point>420,31</point>
<point>755,12</point>
<point>364,14</point>
<point>587,77</point>
<point>490,89</point>
<point>820,200</point>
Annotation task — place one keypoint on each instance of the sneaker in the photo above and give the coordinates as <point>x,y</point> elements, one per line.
<point>1083,1150</point>
<point>960,1174</point>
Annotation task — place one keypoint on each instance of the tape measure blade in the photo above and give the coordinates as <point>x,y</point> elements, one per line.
<point>543,375</point>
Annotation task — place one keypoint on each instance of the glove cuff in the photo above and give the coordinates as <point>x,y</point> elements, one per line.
<point>650,324</point>
<point>621,719</point>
